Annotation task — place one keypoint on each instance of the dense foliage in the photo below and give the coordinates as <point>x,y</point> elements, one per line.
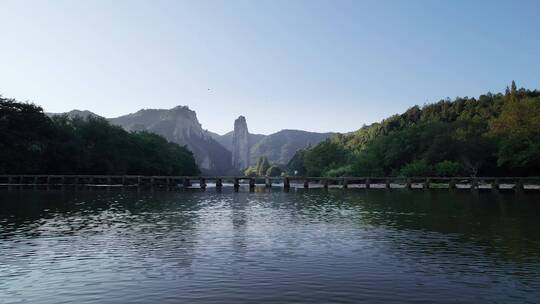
<point>31,142</point>
<point>263,168</point>
<point>496,134</point>
<point>274,171</point>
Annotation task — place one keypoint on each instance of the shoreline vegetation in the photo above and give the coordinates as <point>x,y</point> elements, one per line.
<point>33,143</point>
<point>495,135</point>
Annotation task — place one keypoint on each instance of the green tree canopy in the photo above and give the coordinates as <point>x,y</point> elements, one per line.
<point>251,171</point>
<point>31,142</point>
<point>274,171</point>
<point>496,134</point>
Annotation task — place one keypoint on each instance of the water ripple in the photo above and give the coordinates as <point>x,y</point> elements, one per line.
<point>316,246</point>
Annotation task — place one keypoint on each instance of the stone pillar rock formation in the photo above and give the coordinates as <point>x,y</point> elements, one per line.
<point>240,149</point>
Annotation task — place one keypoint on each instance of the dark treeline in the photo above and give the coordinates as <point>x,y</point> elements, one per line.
<point>33,143</point>
<point>494,135</point>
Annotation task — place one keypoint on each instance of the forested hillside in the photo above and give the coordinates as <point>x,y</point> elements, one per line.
<point>32,142</point>
<point>280,147</point>
<point>496,134</point>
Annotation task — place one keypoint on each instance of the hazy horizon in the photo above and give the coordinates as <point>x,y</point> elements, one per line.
<point>319,66</point>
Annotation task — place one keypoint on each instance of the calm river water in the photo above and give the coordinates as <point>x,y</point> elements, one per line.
<point>304,246</point>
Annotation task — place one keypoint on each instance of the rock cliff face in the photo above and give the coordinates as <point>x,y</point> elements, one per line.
<point>278,147</point>
<point>226,140</point>
<point>180,125</point>
<point>215,154</point>
<point>240,144</point>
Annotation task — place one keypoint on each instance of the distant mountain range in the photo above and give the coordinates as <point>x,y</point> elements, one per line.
<point>215,154</point>
<point>278,147</point>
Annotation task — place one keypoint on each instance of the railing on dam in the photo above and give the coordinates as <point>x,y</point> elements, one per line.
<point>285,182</point>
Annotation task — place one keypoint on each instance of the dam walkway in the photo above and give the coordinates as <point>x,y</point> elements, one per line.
<point>285,182</point>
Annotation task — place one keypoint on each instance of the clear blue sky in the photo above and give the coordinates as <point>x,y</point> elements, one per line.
<point>313,65</point>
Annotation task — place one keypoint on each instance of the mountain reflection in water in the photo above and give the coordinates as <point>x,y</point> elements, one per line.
<point>270,246</point>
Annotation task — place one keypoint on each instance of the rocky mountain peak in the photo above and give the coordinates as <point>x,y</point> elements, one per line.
<point>240,122</point>
<point>180,125</point>
<point>240,147</point>
<point>182,112</point>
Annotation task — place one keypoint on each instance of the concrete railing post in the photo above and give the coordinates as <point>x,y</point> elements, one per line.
<point>474,183</point>
<point>202,183</point>
<point>186,183</point>
<point>495,184</point>
<point>452,184</point>
<point>519,185</point>
<point>219,183</point>
<point>286,183</point>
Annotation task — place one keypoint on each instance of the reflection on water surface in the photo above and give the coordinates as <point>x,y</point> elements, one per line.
<point>304,246</point>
